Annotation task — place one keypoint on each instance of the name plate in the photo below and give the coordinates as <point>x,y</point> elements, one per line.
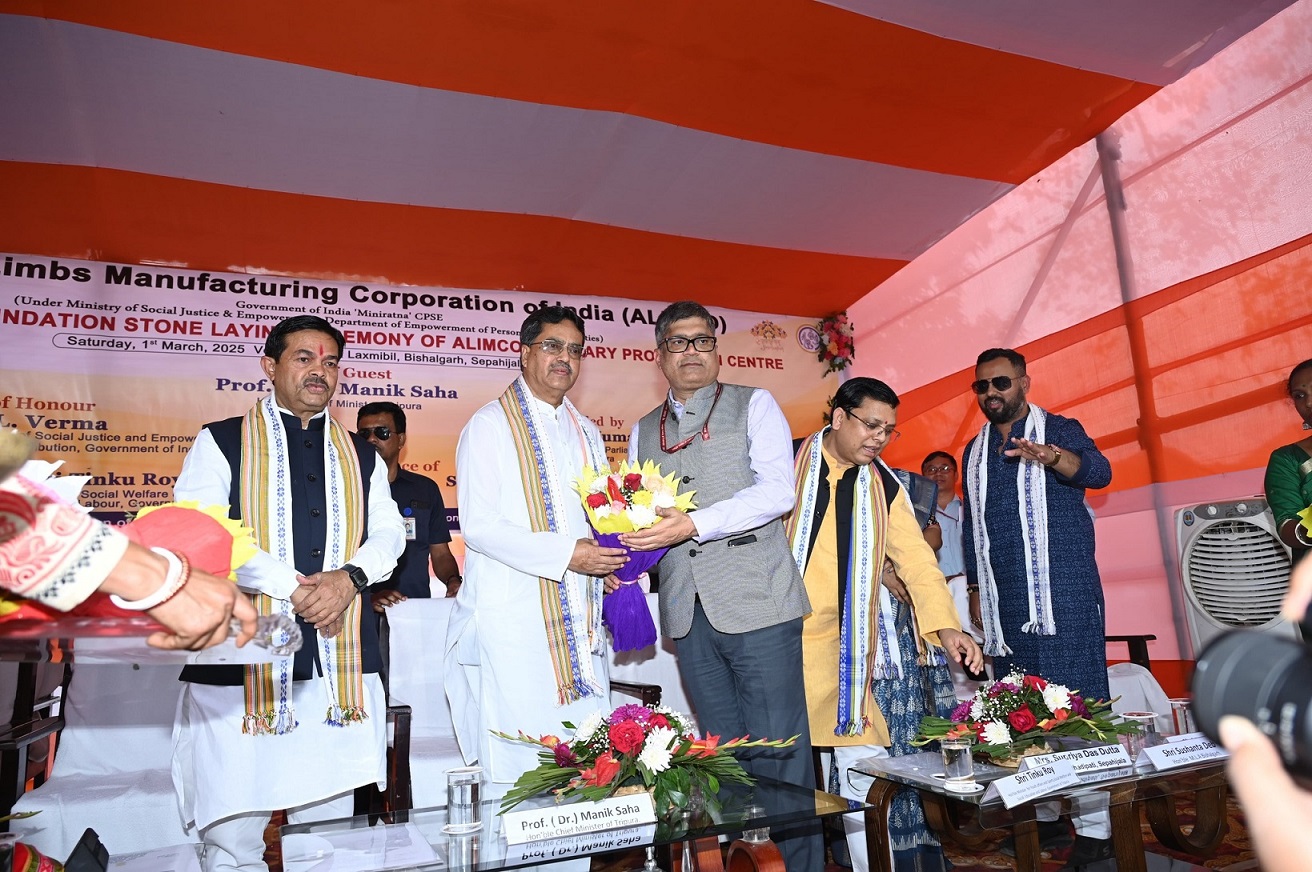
<point>559,821</point>
<point>1082,760</point>
<point>586,844</point>
<point>1037,781</point>
<point>1175,754</point>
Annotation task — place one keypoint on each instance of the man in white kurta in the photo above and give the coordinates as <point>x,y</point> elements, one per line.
<point>229,774</point>
<point>500,673</point>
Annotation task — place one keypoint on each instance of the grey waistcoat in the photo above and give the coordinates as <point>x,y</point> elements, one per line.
<point>747,580</point>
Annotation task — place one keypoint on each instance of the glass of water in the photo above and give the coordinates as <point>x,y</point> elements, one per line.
<point>958,767</point>
<point>1182,716</point>
<point>464,796</point>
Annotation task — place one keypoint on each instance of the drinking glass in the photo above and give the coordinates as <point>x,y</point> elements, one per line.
<point>756,835</point>
<point>958,767</point>
<point>1182,715</point>
<point>464,811</point>
<point>1145,735</point>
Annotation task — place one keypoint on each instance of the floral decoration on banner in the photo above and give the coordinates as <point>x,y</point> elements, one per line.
<point>1020,711</point>
<point>837,347</point>
<point>635,747</point>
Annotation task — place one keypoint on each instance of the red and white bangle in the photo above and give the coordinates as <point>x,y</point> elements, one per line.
<point>178,572</point>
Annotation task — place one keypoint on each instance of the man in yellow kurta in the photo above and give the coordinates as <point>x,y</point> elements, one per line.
<point>851,514</point>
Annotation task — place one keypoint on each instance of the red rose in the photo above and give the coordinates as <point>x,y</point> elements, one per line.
<point>1033,682</point>
<point>633,481</point>
<point>1022,719</point>
<point>657,720</point>
<point>597,500</point>
<point>603,771</point>
<point>626,736</point>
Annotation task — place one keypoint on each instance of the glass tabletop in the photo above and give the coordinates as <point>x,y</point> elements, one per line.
<point>924,771</point>
<point>416,838</point>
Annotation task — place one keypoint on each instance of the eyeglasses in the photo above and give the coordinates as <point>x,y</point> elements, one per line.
<point>555,346</point>
<point>876,427</point>
<point>1000,382</point>
<point>679,344</point>
<point>382,434</point>
<point>934,470</point>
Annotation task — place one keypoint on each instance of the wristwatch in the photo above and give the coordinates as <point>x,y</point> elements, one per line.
<point>358,578</point>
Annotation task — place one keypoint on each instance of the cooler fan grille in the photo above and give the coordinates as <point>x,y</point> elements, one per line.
<point>1237,573</point>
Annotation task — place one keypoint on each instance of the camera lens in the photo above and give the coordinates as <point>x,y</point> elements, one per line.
<point>1265,679</point>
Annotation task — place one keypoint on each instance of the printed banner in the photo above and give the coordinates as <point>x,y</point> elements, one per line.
<point>114,368</point>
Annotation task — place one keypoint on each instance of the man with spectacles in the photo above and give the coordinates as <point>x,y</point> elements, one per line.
<point>865,688</point>
<point>1029,543</point>
<point>526,649</point>
<point>730,595</point>
<point>418,498</point>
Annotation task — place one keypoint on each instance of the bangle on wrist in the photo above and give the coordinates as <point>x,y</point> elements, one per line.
<point>1056,456</point>
<point>1300,537</point>
<point>178,572</point>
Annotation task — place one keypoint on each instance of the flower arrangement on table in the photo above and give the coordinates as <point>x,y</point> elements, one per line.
<point>837,347</point>
<point>624,502</point>
<point>634,747</point>
<point>1018,712</point>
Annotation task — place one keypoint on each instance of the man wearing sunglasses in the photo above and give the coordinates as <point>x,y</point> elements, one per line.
<point>1028,544</point>
<point>427,536</point>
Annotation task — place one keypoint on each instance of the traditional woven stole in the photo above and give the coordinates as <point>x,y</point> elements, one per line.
<point>1032,493</point>
<point>865,561</point>
<point>266,507</point>
<point>572,620</point>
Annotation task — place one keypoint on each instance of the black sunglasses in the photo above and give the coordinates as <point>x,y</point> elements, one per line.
<point>1000,382</point>
<point>383,433</point>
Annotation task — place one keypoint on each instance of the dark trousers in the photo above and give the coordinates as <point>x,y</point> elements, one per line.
<point>750,684</point>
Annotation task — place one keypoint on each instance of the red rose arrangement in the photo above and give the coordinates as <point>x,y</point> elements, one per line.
<point>634,747</point>
<point>1018,711</point>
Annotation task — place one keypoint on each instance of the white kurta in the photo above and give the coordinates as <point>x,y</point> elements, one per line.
<point>217,770</point>
<point>498,666</point>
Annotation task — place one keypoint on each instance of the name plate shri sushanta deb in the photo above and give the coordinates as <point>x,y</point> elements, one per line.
<point>561,821</point>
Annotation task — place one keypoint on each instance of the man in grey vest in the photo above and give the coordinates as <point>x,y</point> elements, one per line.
<point>730,592</point>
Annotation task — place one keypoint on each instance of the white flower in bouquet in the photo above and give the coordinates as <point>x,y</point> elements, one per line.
<point>604,511</point>
<point>1055,696</point>
<point>658,750</point>
<point>590,723</point>
<point>598,485</point>
<point>662,501</point>
<point>641,516</point>
<point>977,707</point>
<point>996,733</point>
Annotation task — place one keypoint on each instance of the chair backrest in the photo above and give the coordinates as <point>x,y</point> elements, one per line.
<point>416,647</point>
<point>118,718</point>
<point>1136,689</point>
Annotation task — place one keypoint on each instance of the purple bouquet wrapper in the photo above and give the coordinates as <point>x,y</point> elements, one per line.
<point>625,611</point>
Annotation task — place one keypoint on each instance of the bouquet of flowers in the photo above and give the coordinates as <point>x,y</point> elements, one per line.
<point>634,747</point>
<point>622,502</point>
<point>837,348</point>
<point>1020,711</point>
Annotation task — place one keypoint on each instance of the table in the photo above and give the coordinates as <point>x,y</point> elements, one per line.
<point>415,838</point>
<point>970,821</point>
